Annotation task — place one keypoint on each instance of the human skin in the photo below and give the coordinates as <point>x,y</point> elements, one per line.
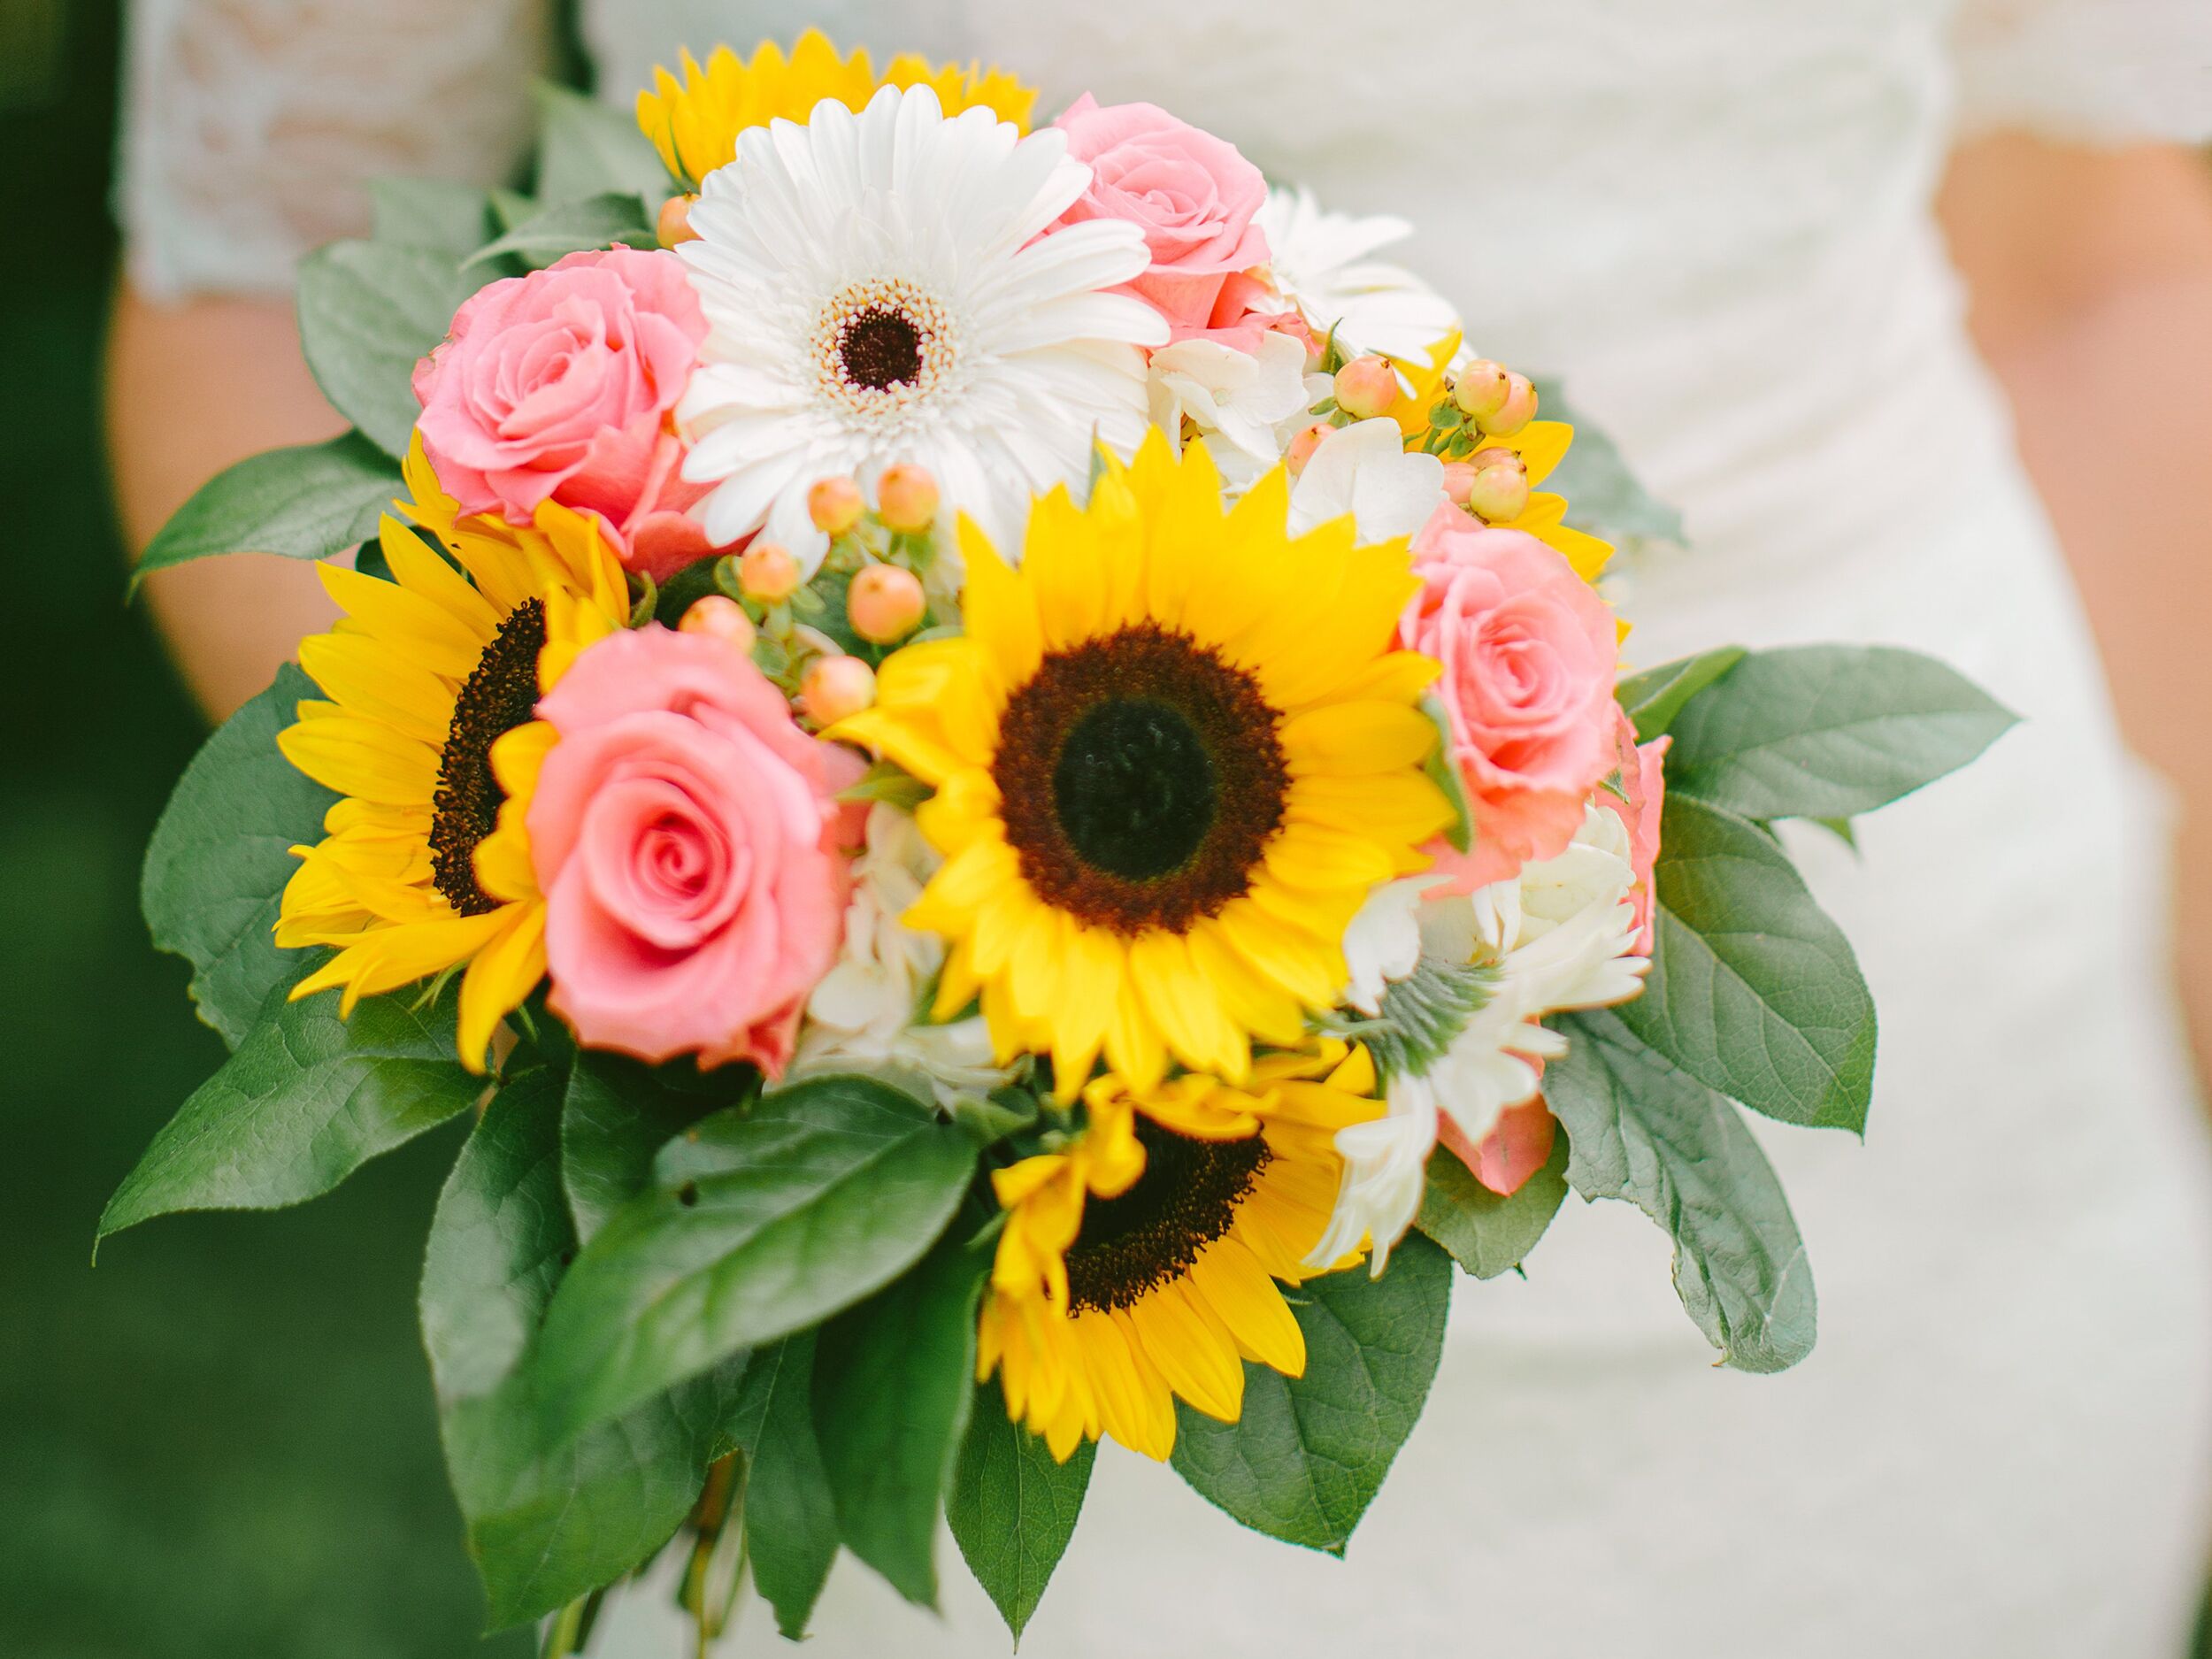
<point>2089,276</point>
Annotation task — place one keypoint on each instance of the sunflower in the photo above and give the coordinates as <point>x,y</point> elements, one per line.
<point>1541,445</point>
<point>695,122</point>
<point>1140,1263</point>
<point>426,865</point>
<point>1172,756</point>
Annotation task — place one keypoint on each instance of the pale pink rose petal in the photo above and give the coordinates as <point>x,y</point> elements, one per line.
<point>1504,1159</point>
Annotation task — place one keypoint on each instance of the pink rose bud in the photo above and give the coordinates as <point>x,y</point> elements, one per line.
<point>768,572</point>
<point>834,688</point>
<point>885,602</point>
<point>1366,387</point>
<point>1499,490</point>
<point>834,504</point>
<point>906,495</point>
<point>1516,412</point>
<point>675,225</point>
<point>1459,477</point>
<point>719,618</point>
<point>1480,389</point>
<point>1302,446</point>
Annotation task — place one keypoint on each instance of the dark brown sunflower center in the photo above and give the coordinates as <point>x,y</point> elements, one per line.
<point>500,694</point>
<point>1141,777</point>
<point>1183,1200</point>
<point>880,347</point>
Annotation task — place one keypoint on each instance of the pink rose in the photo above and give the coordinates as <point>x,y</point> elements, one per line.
<point>1193,197</point>
<point>1527,649</point>
<point>1515,1148</point>
<point>1644,782</point>
<point>687,836</point>
<point>559,385</point>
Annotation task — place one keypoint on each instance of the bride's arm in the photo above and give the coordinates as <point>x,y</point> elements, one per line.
<point>2089,276</point>
<point>250,127</point>
<point>191,388</point>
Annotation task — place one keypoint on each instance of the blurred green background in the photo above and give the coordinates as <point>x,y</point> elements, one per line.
<point>219,1441</point>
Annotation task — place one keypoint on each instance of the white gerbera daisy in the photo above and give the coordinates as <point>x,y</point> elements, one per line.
<point>1321,264</point>
<point>884,288</point>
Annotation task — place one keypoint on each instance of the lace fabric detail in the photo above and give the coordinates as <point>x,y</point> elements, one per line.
<point>2095,70</point>
<point>252,125</point>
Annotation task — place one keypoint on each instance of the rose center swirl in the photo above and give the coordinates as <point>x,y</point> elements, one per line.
<point>1186,1199</point>
<point>500,694</point>
<point>1142,779</point>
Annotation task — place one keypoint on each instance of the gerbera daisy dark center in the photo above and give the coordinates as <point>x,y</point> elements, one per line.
<point>1141,777</point>
<point>881,349</point>
<point>1183,1200</point>
<point>500,694</point>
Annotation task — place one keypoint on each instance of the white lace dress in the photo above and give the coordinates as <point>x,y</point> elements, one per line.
<point>1712,216</point>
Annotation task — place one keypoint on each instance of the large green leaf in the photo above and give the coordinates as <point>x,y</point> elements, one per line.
<point>566,227</point>
<point>618,1113</point>
<point>1487,1233</point>
<point>1752,990</point>
<point>1653,697</point>
<point>585,148</point>
<point>759,1223</point>
<point>369,311</point>
<point>546,1522</point>
<point>1014,1506</point>
<point>220,856</point>
<point>893,1382</point>
<point>304,503</point>
<point>1604,496</point>
<point>442,214</point>
<point>1646,1130</point>
<point>790,1518</point>
<point>1828,731</point>
<point>306,1100</point>
<point>1309,1453</point>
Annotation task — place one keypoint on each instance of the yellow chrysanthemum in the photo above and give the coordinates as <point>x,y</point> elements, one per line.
<point>1141,1264</point>
<point>1541,445</point>
<point>695,122</point>
<point>426,865</point>
<point>1172,756</point>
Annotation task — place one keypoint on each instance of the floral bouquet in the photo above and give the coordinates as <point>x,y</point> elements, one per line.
<point>994,767</point>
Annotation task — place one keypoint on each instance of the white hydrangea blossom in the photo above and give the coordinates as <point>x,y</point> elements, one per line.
<point>865,1012</point>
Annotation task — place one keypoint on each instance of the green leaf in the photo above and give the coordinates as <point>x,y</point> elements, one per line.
<point>585,147</point>
<point>1444,773</point>
<point>888,780</point>
<point>1645,1130</point>
<point>1653,697</point>
<point>304,503</point>
<point>219,857</point>
<point>369,311</point>
<point>1604,496</point>
<point>1309,1453</point>
<point>1828,731</point>
<point>1752,990</point>
<point>893,1382</point>
<point>1488,1234</point>
<point>1014,1506</point>
<point>617,1114</point>
<point>451,218</point>
<point>759,1223</point>
<point>546,1522</point>
<point>566,227</point>
<point>790,1518</point>
<point>307,1100</point>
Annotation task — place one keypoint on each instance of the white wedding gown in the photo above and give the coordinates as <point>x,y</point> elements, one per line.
<point>1712,216</point>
